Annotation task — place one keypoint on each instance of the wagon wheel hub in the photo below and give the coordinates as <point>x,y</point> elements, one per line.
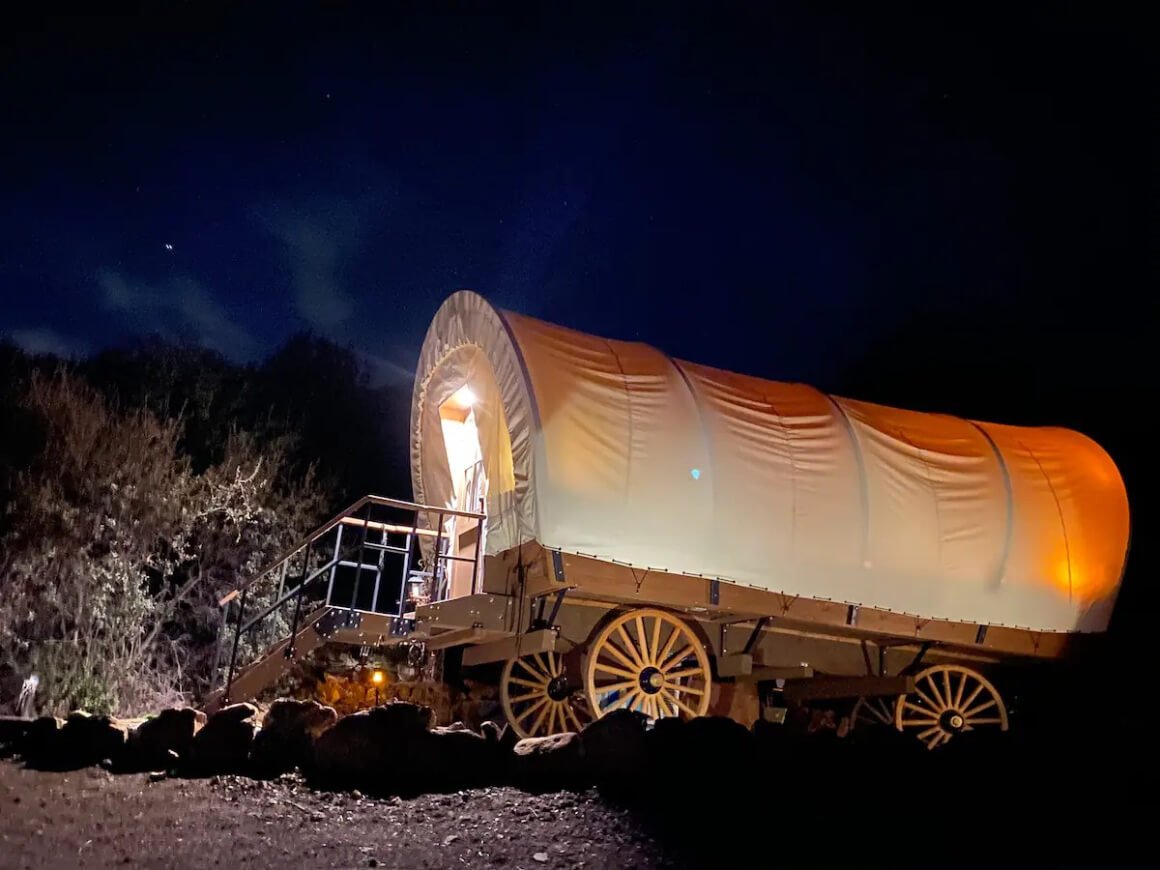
<point>558,688</point>
<point>952,720</point>
<point>651,680</point>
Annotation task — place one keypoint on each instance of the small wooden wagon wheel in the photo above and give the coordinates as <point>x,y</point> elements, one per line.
<point>949,700</point>
<point>651,661</point>
<point>537,697</point>
<point>877,710</point>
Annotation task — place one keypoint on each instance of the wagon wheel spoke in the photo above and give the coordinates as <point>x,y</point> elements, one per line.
<point>535,729</point>
<point>676,688</point>
<point>974,711</point>
<point>528,666</point>
<point>520,681</point>
<point>532,709</point>
<point>630,647</point>
<point>971,698</point>
<point>620,672</point>
<point>616,653</point>
<point>668,695</point>
<point>674,636</point>
<point>656,640</point>
<point>644,656</point>
<point>572,715</point>
<point>676,659</point>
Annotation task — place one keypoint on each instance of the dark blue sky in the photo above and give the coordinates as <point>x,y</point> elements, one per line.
<point>764,188</point>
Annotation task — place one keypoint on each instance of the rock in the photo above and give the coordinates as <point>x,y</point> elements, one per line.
<point>40,740</point>
<point>155,742</point>
<point>491,732</point>
<point>452,759</point>
<point>223,745</point>
<point>81,741</point>
<point>289,730</point>
<point>540,857</point>
<point>553,763</point>
<point>615,750</point>
<point>12,732</point>
<point>366,750</point>
<point>391,750</point>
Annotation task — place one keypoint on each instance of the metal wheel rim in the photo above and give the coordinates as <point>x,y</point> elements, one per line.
<point>949,692</point>
<point>529,708</point>
<point>650,661</point>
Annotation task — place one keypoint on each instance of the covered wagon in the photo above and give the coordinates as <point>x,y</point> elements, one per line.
<point>623,529</point>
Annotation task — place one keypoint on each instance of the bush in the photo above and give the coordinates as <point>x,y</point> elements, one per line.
<point>115,550</point>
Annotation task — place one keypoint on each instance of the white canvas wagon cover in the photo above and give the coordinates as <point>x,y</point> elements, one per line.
<point>614,450</point>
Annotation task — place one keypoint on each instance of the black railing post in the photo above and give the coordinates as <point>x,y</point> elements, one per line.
<point>334,564</point>
<point>223,630</point>
<point>362,547</point>
<point>436,579</point>
<point>298,603</point>
<point>411,536</point>
<point>234,652</point>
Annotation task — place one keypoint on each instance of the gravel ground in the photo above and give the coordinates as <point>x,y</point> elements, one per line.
<point>90,818</point>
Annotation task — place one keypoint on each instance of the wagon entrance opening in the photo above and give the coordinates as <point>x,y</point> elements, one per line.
<point>469,479</point>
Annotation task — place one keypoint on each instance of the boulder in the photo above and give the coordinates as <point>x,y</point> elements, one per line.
<point>223,745</point>
<point>452,759</point>
<point>554,763</point>
<point>373,750</point>
<point>40,741</point>
<point>289,730</point>
<point>83,740</point>
<point>12,732</point>
<point>155,742</point>
<point>616,750</point>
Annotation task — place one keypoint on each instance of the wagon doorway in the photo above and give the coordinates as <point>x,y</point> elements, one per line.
<point>469,479</point>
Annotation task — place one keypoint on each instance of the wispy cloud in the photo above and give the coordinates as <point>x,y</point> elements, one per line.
<point>317,241</point>
<point>384,372</point>
<point>179,307</point>
<point>41,340</point>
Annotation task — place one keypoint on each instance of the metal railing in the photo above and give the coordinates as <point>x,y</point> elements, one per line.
<point>329,568</point>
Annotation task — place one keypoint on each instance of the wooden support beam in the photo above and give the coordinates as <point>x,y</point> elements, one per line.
<point>831,688</point>
<point>510,647</point>
<point>740,665</point>
<point>456,637</point>
<point>762,673</point>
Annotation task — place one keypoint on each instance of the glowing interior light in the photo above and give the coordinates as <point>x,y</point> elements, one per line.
<point>377,677</point>
<point>464,397</point>
<point>696,472</point>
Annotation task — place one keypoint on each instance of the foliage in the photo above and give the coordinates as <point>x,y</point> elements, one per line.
<point>116,548</point>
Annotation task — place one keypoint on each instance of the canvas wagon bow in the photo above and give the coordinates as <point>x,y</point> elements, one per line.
<point>628,530</point>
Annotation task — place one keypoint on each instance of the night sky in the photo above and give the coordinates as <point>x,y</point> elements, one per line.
<point>950,210</point>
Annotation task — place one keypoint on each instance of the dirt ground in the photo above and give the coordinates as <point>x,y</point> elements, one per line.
<point>90,818</point>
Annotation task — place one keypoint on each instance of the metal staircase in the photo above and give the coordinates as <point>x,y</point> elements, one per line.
<point>357,579</point>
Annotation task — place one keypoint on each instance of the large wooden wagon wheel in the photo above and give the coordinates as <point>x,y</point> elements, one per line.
<point>949,700</point>
<point>537,697</point>
<point>651,661</point>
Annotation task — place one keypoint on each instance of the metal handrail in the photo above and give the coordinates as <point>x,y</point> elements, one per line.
<point>329,526</point>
